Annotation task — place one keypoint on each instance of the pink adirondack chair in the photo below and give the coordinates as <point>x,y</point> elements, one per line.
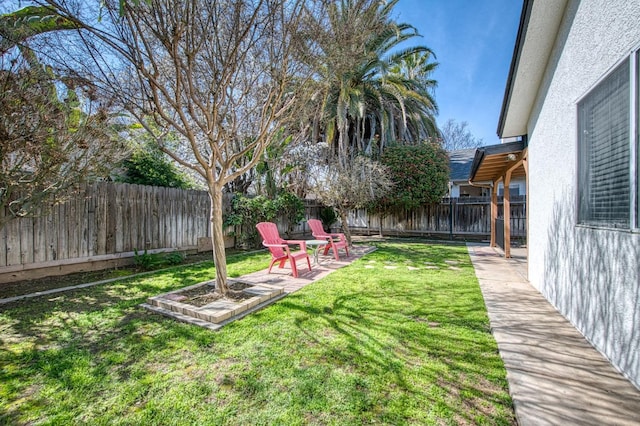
<point>279,248</point>
<point>336,241</point>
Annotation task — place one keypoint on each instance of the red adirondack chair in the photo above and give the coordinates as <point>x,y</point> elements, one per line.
<point>279,248</point>
<point>336,241</point>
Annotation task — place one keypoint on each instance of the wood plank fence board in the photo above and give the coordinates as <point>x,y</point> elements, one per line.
<point>155,222</point>
<point>39,248</point>
<point>111,207</point>
<point>62,251</point>
<point>13,242</point>
<point>92,226</point>
<point>142,218</point>
<point>128,223</point>
<point>165,210</point>
<point>102,210</point>
<point>72,228</point>
<point>3,244</point>
<point>51,237</point>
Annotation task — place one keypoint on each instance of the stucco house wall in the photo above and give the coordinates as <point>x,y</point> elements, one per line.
<point>591,275</point>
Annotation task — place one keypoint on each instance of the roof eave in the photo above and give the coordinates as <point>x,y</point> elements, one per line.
<point>540,22</point>
<point>513,68</point>
<point>503,148</point>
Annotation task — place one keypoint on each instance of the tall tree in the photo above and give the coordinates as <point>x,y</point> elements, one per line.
<point>457,136</point>
<point>53,133</point>
<point>420,174</point>
<point>366,97</point>
<point>18,26</point>
<point>218,73</point>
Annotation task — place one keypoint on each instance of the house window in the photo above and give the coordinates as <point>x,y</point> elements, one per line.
<point>636,153</point>
<point>606,166</point>
<point>514,191</point>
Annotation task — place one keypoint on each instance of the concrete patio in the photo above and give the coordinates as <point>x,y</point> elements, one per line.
<point>555,376</point>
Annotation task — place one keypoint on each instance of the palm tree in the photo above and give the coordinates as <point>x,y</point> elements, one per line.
<point>18,26</point>
<point>48,142</point>
<point>371,92</point>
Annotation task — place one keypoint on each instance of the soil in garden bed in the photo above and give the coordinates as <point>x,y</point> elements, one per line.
<point>206,294</point>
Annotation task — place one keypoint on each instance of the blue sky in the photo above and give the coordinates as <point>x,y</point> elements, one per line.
<point>473,41</point>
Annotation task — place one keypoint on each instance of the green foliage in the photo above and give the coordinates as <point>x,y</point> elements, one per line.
<point>420,174</point>
<point>250,209</point>
<point>328,217</point>
<point>18,26</point>
<point>148,166</point>
<point>274,166</point>
<point>145,260</point>
<point>174,258</point>
<point>374,88</point>
<point>48,145</point>
<point>291,207</point>
<point>246,212</point>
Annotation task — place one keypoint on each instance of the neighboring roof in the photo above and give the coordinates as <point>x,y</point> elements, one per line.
<point>539,25</point>
<point>460,164</point>
<point>490,161</point>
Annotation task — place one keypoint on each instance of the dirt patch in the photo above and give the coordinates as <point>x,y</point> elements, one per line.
<point>206,294</point>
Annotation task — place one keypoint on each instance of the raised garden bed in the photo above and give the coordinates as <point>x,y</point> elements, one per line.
<point>200,301</point>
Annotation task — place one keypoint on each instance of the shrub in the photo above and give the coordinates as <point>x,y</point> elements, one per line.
<point>174,258</point>
<point>246,212</point>
<point>420,174</point>
<point>145,261</point>
<point>328,217</point>
<point>149,166</point>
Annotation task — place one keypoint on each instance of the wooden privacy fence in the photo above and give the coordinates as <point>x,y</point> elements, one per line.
<point>104,221</point>
<point>455,217</point>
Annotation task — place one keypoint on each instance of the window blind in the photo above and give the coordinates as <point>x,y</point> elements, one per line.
<point>604,151</point>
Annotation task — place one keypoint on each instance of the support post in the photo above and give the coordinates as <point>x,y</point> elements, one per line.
<point>507,214</point>
<point>494,211</point>
<point>450,217</point>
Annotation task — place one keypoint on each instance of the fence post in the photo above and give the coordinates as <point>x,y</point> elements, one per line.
<point>450,217</point>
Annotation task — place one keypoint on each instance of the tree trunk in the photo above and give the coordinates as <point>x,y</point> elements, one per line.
<point>217,239</point>
<point>345,227</point>
<point>342,152</point>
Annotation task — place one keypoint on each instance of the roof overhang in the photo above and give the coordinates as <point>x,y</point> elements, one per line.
<point>491,162</point>
<point>539,25</point>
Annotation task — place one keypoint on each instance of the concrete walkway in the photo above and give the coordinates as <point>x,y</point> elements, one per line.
<point>555,376</point>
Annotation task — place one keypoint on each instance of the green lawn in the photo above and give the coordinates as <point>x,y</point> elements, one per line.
<point>387,340</point>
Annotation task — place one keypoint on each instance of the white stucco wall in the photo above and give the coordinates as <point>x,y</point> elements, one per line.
<point>591,275</point>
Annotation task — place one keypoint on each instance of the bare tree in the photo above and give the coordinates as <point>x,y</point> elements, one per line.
<point>456,136</point>
<point>219,74</point>
<point>50,140</point>
<point>350,187</point>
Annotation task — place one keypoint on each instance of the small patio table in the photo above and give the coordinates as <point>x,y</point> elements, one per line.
<point>316,245</point>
